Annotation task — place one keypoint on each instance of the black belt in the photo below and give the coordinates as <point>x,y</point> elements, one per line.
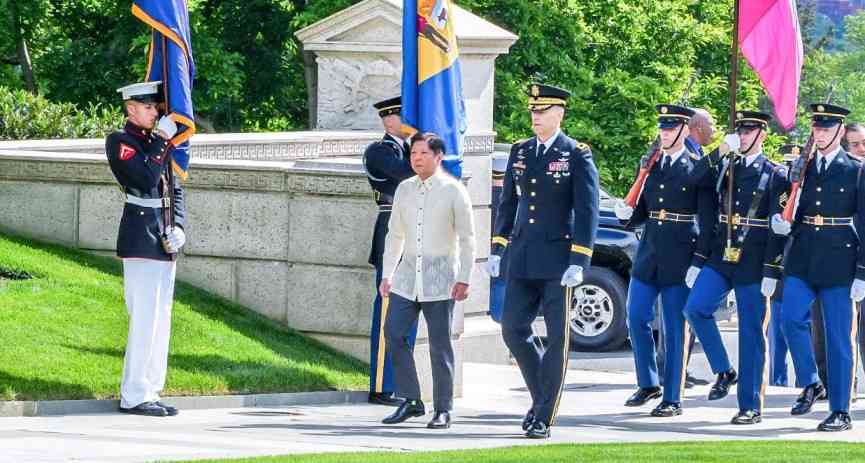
<point>820,221</point>
<point>745,221</point>
<point>667,216</point>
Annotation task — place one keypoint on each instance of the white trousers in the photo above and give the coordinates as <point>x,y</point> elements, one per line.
<point>148,287</point>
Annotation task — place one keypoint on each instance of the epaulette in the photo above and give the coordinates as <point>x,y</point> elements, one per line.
<point>520,142</point>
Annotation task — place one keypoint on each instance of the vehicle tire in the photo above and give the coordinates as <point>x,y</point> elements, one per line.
<point>598,316</point>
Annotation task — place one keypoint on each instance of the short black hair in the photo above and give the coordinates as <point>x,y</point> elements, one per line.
<point>436,144</point>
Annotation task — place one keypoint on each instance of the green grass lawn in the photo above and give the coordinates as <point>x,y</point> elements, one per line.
<point>64,335</point>
<point>722,452</point>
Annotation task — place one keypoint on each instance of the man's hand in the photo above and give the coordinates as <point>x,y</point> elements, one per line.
<point>857,291</point>
<point>460,292</point>
<point>622,210</point>
<point>691,276</point>
<point>733,142</point>
<point>493,265</point>
<point>384,287</point>
<point>780,226</point>
<point>166,127</point>
<point>573,276</point>
<point>767,287</point>
<point>176,238</point>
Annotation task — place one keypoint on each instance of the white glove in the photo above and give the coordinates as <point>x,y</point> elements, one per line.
<point>176,238</point>
<point>857,291</point>
<point>167,126</point>
<point>767,287</point>
<point>622,210</point>
<point>691,276</point>
<point>733,142</point>
<point>780,226</point>
<point>493,265</point>
<point>573,276</point>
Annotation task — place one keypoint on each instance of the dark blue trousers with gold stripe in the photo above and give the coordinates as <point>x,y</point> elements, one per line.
<point>709,291</point>
<point>840,325</point>
<point>641,313</point>
<point>380,362</point>
<point>543,368</point>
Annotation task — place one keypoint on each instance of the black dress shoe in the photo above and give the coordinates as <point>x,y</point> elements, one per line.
<point>172,411</point>
<point>528,420</point>
<point>145,409</point>
<point>384,398</point>
<point>807,398</point>
<point>837,421</point>
<point>691,381</point>
<point>722,385</point>
<point>538,430</point>
<point>667,409</point>
<point>441,420</point>
<point>643,395</point>
<point>408,409</point>
<point>747,417</point>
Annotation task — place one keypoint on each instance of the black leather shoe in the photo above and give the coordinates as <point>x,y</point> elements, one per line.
<point>722,385</point>
<point>528,420</point>
<point>441,420</point>
<point>837,421</point>
<point>384,398</point>
<point>807,398</point>
<point>172,411</point>
<point>408,409</point>
<point>667,409</point>
<point>691,381</point>
<point>643,395</point>
<point>145,409</point>
<point>747,417</point>
<point>538,430</point>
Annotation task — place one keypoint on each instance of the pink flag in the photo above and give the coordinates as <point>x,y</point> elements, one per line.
<point>770,40</point>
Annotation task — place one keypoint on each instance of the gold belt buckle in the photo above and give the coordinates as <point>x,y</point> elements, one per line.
<point>732,254</point>
<point>166,202</point>
<point>662,215</point>
<point>818,220</point>
<point>736,219</point>
<point>376,195</point>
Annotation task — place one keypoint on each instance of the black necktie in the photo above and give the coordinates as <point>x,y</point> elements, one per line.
<point>405,148</point>
<point>541,150</point>
<point>823,165</point>
<point>666,165</point>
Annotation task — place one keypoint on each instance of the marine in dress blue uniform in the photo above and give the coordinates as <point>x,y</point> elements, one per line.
<point>148,240</point>
<point>675,199</point>
<point>547,219</point>
<point>386,163</point>
<point>825,261</point>
<point>743,249</point>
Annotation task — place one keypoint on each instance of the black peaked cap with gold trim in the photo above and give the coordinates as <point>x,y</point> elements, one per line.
<point>389,106</point>
<point>828,115</point>
<point>752,119</point>
<point>542,96</point>
<point>671,116</point>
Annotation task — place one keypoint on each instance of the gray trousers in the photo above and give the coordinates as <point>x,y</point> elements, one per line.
<point>402,316</point>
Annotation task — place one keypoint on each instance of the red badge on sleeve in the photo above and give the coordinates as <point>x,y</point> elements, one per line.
<point>126,152</point>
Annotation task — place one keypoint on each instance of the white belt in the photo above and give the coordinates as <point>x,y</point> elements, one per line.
<point>155,203</point>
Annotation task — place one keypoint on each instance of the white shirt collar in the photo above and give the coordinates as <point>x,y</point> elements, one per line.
<point>550,140</point>
<point>428,183</point>
<point>675,156</point>
<point>749,159</point>
<point>829,157</point>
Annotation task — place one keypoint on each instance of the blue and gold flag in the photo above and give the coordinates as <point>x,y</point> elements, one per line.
<point>432,95</point>
<point>170,60</point>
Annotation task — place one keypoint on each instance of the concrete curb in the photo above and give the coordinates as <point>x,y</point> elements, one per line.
<point>79,407</point>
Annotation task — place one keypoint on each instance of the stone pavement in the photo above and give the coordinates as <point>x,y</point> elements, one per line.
<point>488,416</point>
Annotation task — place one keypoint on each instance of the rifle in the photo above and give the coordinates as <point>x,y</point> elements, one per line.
<point>653,154</point>
<point>798,169</point>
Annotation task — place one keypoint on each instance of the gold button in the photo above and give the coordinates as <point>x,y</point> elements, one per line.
<point>532,193</point>
<point>819,189</point>
<point>842,190</point>
<point>531,208</point>
<point>534,180</point>
<point>659,222</point>
<point>557,181</point>
<point>660,200</point>
<point>531,220</point>
<point>817,228</point>
<point>662,186</point>
<point>818,203</point>
<point>684,189</point>
<point>141,213</point>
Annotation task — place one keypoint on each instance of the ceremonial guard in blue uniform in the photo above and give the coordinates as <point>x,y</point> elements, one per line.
<point>825,261</point>
<point>547,218</point>
<point>674,199</point>
<point>387,164</point>
<point>150,236</point>
<point>743,249</point>
<point>777,342</point>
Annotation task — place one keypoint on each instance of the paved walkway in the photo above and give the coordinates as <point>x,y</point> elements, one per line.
<point>488,416</point>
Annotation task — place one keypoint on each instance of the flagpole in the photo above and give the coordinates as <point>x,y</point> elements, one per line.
<point>731,254</point>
